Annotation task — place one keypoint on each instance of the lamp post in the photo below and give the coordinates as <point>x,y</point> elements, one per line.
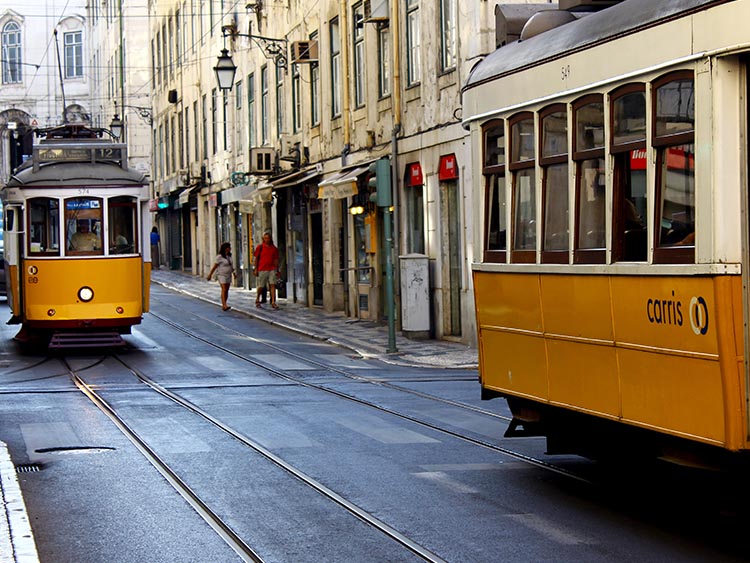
<point>115,127</point>
<point>225,68</point>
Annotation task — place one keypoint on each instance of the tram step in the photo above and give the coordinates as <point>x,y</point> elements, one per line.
<point>85,339</point>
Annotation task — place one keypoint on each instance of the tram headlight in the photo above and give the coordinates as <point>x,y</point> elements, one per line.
<point>85,294</point>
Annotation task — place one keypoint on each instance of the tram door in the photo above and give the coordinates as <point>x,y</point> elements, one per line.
<point>13,243</point>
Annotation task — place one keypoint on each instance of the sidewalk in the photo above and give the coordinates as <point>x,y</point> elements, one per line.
<point>367,338</point>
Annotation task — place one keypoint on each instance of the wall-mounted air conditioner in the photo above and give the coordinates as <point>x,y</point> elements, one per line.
<point>262,160</point>
<point>305,51</point>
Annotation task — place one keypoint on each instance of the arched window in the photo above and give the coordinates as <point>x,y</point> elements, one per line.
<point>11,43</point>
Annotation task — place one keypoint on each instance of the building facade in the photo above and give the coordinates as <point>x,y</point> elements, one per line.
<point>45,78</point>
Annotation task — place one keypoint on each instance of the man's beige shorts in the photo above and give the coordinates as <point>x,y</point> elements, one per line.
<point>265,277</point>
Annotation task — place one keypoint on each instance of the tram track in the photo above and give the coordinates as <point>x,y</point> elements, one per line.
<point>203,508</point>
<point>243,550</point>
<point>380,408</point>
<point>348,374</point>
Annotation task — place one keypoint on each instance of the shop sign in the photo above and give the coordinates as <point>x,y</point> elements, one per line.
<point>448,167</point>
<point>414,174</point>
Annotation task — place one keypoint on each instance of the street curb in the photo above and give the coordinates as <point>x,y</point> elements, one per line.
<point>16,538</point>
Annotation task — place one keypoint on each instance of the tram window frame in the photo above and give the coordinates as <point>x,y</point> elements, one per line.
<point>662,142</point>
<point>585,156</point>
<point>553,159</point>
<point>521,167</point>
<point>118,227</point>
<point>494,161</point>
<point>46,227</point>
<point>92,215</point>
<point>629,223</point>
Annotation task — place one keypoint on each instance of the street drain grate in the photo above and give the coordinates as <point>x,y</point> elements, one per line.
<point>28,468</point>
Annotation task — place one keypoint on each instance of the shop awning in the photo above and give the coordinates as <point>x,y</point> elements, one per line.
<point>341,185</point>
<point>185,194</point>
<point>295,178</point>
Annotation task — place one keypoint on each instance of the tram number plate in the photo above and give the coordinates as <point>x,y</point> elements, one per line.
<point>33,279</point>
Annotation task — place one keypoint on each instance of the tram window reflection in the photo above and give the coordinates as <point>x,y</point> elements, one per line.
<point>122,225</point>
<point>83,226</point>
<point>44,226</point>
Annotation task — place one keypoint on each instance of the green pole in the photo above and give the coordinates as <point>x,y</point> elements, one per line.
<point>389,297</point>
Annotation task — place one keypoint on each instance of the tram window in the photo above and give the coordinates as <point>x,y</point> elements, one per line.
<point>496,225</point>
<point>588,155</point>
<point>122,225</point>
<point>629,209</point>
<point>83,226</point>
<point>674,135</point>
<point>495,243</point>
<point>554,163</point>
<point>523,179</point>
<point>590,203</point>
<point>44,226</point>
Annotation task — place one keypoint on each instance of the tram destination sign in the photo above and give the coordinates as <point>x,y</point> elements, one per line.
<point>79,153</point>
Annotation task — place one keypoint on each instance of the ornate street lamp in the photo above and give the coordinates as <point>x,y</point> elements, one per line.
<point>115,127</point>
<point>225,70</point>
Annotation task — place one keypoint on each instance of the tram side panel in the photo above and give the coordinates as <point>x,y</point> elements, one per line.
<point>656,352</point>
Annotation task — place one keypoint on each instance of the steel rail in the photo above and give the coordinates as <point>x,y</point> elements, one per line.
<point>311,482</point>
<point>475,441</point>
<point>348,374</point>
<point>226,533</point>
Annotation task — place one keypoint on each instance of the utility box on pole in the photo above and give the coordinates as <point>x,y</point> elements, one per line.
<point>415,296</point>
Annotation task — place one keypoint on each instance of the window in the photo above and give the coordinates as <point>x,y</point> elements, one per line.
<point>335,69</point>
<point>196,132</point>
<point>12,53</point>
<point>358,40</point>
<point>251,110</point>
<point>495,243</point>
<point>185,153</point>
<point>73,54</point>
<point>224,121</point>
<point>629,193</point>
<point>674,141</point>
<point>588,158</point>
<point>44,226</point>
<point>523,186</point>
<point>122,225</point>
<point>238,123</point>
<point>413,61</point>
<point>83,226</point>
<point>296,100</point>
<point>167,149</point>
<point>554,163</point>
<point>447,34</point>
<point>415,203</point>
<point>214,121</point>
<point>314,89</point>
<point>279,101</point>
<point>384,61</point>
<point>264,104</point>
<point>204,111</point>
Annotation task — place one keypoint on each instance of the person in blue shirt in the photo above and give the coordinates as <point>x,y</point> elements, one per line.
<point>155,248</point>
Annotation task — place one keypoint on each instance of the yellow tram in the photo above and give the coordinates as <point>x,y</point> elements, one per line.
<point>611,176</point>
<point>76,222</point>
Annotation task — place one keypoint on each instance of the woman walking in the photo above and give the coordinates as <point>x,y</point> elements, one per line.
<point>224,271</point>
<point>155,239</point>
<point>266,268</point>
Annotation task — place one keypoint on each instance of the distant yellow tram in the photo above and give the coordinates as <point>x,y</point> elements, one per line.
<point>611,171</point>
<point>75,224</point>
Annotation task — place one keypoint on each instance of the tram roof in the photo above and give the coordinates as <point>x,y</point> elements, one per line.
<point>599,27</point>
<point>62,174</point>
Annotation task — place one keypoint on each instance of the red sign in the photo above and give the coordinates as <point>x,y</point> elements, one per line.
<point>448,167</point>
<point>414,174</point>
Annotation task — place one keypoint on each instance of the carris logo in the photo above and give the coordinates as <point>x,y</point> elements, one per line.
<point>670,312</point>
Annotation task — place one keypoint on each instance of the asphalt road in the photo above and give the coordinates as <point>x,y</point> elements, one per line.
<point>413,449</point>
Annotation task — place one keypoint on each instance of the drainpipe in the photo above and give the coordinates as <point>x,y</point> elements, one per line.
<point>396,109</point>
<point>122,73</point>
<point>345,103</point>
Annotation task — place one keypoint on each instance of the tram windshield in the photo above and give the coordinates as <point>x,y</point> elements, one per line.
<point>83,226</point>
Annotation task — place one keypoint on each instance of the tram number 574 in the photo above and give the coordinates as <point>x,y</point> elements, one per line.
<point>565,72</point>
